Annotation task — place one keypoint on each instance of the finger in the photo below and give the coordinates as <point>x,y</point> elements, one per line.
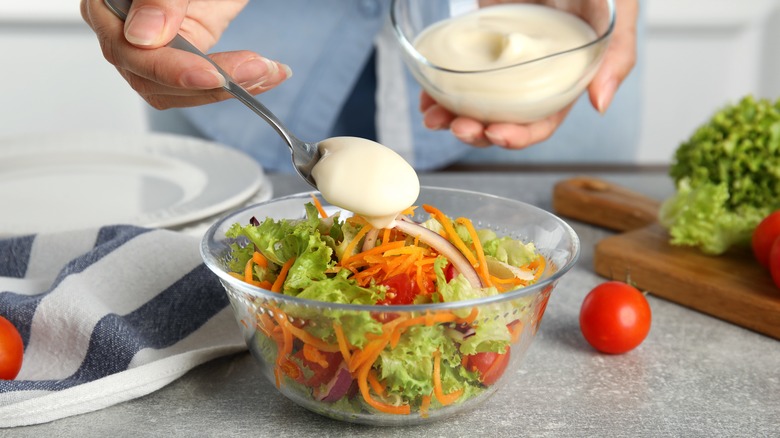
<point>437,117</point>
<point>469,131</point>
<point>516,136</point>
<point>619,59</point>
<point>253,72</point>
<point>426,101</point>
<point>154,23</point>
<point>164,65</point>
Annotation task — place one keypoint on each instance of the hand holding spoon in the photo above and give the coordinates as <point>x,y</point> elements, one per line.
<point>356,174</point>
<point>304,155</point>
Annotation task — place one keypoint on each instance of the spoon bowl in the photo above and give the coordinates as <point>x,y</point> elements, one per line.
<point>304,155</point>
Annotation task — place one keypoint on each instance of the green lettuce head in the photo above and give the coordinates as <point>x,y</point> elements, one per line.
<point>727,177</point>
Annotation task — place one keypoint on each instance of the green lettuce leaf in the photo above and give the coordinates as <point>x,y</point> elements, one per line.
<point>700,217</point>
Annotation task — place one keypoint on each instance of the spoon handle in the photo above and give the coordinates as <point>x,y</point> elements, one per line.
<point>120,9</point>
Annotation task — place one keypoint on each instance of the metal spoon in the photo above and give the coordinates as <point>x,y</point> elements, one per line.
<point>304,155</point>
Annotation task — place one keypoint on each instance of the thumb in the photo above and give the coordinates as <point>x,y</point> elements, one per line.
<point>154,23</point>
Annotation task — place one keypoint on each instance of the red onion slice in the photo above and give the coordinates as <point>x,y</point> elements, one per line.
<point>443,246</point>
<point>337,387</point>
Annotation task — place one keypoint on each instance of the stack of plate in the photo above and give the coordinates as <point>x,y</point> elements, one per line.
<point>54,183</point>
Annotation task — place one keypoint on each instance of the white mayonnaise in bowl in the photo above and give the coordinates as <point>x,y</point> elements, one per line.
<point>503,61</point>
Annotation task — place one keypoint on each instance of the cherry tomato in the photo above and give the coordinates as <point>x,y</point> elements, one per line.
<point>320,374</point>
<point>490,365</point>
<point>11,350</point>
<point>401,289</point>
<point>615,317</point>
<point>774,262</point>
<point>449,272</point>
<point>764,235</point>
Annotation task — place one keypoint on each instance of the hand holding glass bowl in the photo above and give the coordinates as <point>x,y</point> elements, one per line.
<point>362,349</point>
<point>502,63</point>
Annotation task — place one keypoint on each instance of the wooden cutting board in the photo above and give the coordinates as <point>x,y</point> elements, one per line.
<point>732,286</point>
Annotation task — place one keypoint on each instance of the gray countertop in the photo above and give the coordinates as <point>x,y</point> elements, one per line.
<point>693,376</point>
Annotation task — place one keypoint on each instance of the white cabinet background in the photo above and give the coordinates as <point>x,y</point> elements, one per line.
<point>698,55</point>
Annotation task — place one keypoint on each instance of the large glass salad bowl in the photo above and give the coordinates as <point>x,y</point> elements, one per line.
<point>388,363</point>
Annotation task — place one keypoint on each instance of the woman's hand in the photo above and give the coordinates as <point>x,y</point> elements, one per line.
<point>166,77</point>
<point>618,62</point>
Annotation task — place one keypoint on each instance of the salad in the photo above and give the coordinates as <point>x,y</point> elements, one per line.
<point>389,361</point>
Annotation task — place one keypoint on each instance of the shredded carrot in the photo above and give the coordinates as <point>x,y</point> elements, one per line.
<point>386,235</point>
<point>379,249</point>
<point>444,399</point>
<point>236,275</point>
<point>284,346</point>
<point>318,205</point>
<point>362,379</point>
<point>541,265</point>
<point>265,324</point>
<point>265,284</point>
<point>483,267</point>
<point>429,319</point>
<point>409,211</point>
<point>313,355</point>
<point>307,338</point>
<point>376,385</point>
<point>425,405</point>
<point>291,369</point>
<point>277,286</point>
<point>515,329</point>
<point>470,317</point>
<point>248,277</point>
<point>342,341</point>
<point>351,246</point>
<point>374,348</point>
<point>281,320</point>
<point>260,259</point>
<point>368,354</point>
<point>451,233</point>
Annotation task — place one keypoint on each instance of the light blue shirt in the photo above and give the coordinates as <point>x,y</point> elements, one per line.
<point>327,43</point>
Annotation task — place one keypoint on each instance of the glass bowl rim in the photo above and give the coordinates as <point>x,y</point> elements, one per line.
<point>212,263</point>
<point>409,48</point>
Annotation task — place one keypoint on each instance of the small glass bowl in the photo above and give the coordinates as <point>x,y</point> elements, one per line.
<point>265,317</point>
<point>518,93</point>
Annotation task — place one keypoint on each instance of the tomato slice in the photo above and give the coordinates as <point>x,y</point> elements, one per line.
<point>449,272</point>
<point>401,289</point>
<point>320,374</point>
<point>490,365</point>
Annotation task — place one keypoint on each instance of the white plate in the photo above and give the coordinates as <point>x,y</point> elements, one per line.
<point>62,182</point>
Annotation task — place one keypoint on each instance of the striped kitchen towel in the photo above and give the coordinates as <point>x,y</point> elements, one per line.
<point>106,315</point>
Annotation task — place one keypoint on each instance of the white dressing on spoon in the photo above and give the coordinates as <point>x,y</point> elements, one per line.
<point>366,178</point>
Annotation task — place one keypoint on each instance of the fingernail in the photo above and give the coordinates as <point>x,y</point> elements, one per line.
<point>145,26</point>
<point>251,71</point>
<point>496,139</point>
<point>606,95</point>
<point>428,123</point>
<point>462,136</point>
<point>203,79</point>
<point>258,70</point>
<point>287,71</point>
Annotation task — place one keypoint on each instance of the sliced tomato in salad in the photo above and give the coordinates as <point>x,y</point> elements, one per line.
<point>320,374</point>
<point>490,365</point>
<point>401,289</point>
